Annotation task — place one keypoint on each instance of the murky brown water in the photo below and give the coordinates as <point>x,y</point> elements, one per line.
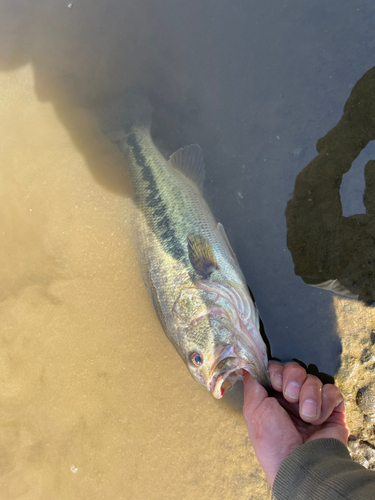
<point>94,401</point>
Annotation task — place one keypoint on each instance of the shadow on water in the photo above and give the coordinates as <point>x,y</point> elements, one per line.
<point>84,52</point>
<point>329,250</point>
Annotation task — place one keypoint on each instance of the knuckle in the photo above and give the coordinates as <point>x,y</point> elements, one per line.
<point>332,392</point>
<point>295,367</point>
<point>313,380</point>
<point>294,370</point>
<point>270,404</point>
<point>275,367</point>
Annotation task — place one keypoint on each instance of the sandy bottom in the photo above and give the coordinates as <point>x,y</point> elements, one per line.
<point>94,401</point>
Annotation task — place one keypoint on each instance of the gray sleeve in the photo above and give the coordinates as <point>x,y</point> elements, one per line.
<point>322,469</point>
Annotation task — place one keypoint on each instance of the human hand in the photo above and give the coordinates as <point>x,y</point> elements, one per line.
<point>302,409</point>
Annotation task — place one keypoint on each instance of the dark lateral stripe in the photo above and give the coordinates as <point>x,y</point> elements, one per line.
<point>160,222</point>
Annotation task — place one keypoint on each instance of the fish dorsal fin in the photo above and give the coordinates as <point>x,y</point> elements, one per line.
<point>189,161</point>
<point>225,238</point>
<point>201,255</point>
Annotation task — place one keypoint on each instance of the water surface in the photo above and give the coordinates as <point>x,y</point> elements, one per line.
<point>95,401</point>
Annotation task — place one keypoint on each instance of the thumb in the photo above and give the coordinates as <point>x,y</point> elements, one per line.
<point>272,433</point>
<point>254,395</point>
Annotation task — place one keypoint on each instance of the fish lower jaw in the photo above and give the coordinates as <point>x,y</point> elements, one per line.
<point>224,381</point>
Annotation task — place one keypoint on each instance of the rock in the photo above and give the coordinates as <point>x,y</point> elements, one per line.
<point>366,400</point>
<point>362,452</point>
<point>366,355</point>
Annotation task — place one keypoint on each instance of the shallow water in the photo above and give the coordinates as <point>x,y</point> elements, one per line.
<point>94,401</point>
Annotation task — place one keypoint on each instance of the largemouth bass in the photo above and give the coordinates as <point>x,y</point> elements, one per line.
<point>188,265</point>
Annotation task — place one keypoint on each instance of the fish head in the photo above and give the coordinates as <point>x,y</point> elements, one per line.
<point>218,335</point>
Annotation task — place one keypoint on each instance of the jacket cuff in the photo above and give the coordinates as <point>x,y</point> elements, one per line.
<point>315,470</point>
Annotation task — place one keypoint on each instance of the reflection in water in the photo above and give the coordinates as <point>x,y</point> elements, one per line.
<point>329,250</point>
<point>338,253</point>
<point>94,402</point>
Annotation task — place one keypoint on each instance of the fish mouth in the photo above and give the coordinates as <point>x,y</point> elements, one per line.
<point>223,381</point>
<point>229,368</point>
<point>224,372</point>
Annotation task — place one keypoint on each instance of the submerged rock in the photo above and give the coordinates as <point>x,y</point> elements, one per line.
<point>367,355</point>
<point>362,452</point>
<point>356,377</point>
<point>366,400</point>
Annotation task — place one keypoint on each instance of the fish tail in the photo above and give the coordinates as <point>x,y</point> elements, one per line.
<point>127,110</point>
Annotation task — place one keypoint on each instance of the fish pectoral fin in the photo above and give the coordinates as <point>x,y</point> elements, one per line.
<point>221,229</point>
<point>201,255</point>
<point>189,161</point>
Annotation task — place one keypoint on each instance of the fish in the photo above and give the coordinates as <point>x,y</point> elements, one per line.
<point>188,265</point>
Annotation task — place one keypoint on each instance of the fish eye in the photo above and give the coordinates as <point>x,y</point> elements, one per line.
<point>196,359</point>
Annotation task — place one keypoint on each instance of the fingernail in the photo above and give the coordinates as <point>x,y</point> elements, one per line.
<point>309,408</point>
<point>292,390</point>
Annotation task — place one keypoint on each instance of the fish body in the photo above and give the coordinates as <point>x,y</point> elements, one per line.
<point>188,266</point>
